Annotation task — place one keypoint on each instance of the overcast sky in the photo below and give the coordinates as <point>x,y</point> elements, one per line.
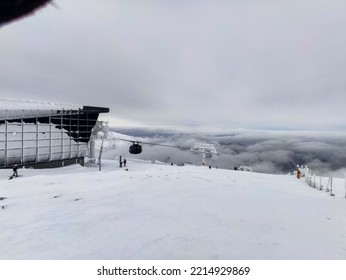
<point>212,63</point>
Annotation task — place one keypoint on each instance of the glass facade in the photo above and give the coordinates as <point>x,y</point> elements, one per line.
<point>29,137</point>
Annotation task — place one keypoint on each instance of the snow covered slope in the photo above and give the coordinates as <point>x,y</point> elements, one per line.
<point>167,212</point>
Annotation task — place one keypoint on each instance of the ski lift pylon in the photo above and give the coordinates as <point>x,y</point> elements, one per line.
<point>208,150</point>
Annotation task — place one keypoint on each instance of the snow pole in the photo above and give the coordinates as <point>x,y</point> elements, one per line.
<point>327,188</point>
<point>100,154</point>
<point>331,186</point>
<point>321,187</point>
<point>308,179</point>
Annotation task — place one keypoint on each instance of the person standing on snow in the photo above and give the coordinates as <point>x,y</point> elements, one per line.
<point>124,162</point>
<point>299,173</point>
<point>15,171</point>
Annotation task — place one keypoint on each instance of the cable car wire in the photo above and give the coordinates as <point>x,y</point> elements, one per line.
<point>137,142</point>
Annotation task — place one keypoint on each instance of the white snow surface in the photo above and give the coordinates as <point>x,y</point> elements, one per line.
<point>167,212</point>
<point>13,108</point>
<point>16,104</point>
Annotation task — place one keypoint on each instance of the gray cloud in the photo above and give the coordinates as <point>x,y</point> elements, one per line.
<point>265,151</point>
<point>252,64</point>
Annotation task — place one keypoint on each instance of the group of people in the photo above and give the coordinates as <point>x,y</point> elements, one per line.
<point>122,162</point>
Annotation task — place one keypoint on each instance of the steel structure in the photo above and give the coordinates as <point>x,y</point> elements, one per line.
<point>49,137</point>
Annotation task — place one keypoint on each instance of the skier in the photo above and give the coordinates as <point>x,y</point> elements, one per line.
<point>124,162</point>
<point>120,162</point>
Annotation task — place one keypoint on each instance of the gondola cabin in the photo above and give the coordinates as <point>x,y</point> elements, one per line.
<point>135,149</point>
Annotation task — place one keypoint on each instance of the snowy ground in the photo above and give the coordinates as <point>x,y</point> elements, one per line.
<point>167,212</point>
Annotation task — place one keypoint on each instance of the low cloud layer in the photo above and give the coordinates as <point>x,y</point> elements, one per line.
<point>265,151</point>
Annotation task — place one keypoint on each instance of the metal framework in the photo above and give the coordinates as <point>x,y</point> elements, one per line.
<point>29,137</point>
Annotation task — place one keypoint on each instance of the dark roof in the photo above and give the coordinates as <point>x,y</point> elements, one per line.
<point>96,109</point>
<point>14,9</point>
<point>24,113</point>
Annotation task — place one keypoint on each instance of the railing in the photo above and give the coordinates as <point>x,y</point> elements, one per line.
<point>322,183</point>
